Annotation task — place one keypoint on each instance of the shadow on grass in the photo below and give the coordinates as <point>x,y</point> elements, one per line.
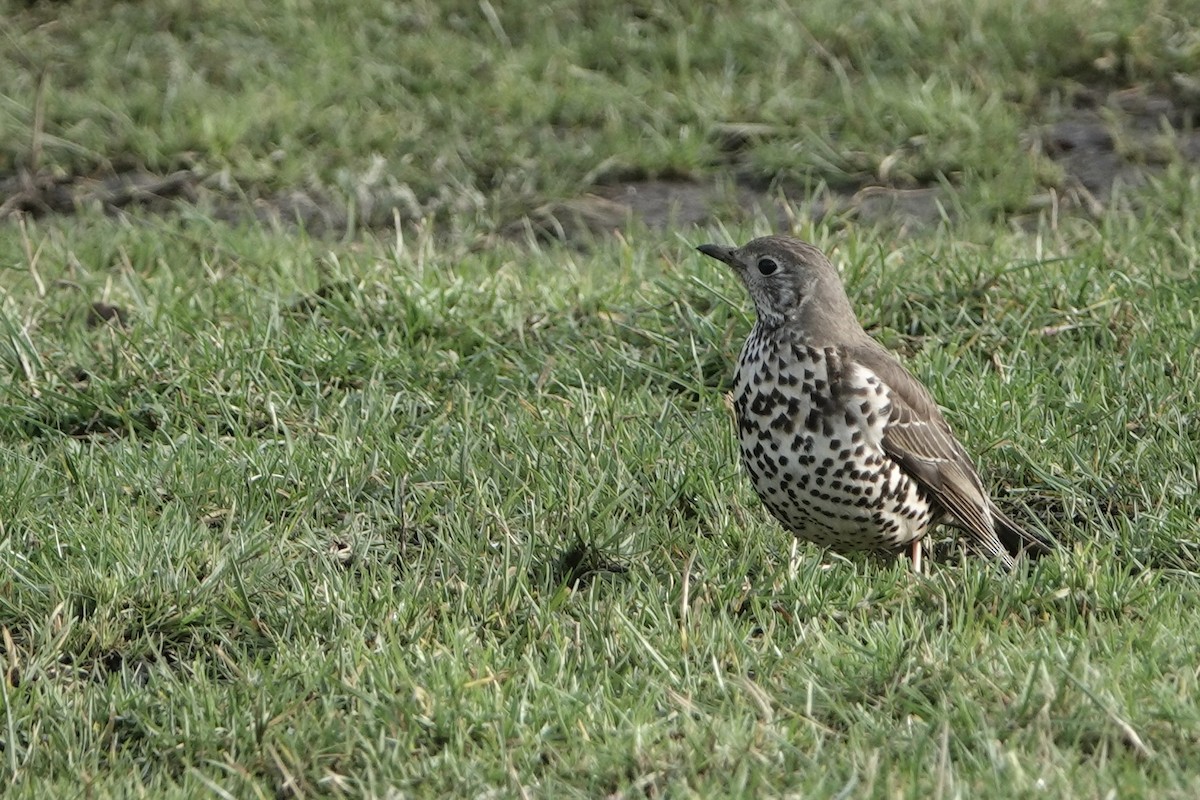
<point>577,566</point>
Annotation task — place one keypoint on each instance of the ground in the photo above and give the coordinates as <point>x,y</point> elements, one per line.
<point>362,425</point>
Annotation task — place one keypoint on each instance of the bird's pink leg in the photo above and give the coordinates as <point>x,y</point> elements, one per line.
<point>916,556</point>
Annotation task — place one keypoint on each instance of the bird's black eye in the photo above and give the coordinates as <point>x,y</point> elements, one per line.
<point>767,266</point>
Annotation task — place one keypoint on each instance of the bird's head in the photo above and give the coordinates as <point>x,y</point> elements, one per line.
<point>790,282</point>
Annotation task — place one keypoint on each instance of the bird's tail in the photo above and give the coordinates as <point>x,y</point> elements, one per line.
<point>1017,540</point>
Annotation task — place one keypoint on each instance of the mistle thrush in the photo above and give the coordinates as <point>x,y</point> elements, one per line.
<point>843,445</point>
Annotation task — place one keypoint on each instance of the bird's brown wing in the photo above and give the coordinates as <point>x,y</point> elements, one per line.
<point>919,439</point>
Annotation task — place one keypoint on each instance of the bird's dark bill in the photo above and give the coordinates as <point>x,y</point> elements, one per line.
<point>717,251</point>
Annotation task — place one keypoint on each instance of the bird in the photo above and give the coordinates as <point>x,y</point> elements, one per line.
<point>843,445</point>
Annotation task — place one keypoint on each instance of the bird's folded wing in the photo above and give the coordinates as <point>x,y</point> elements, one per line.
<point>918,438</point>
<point>929,453</point>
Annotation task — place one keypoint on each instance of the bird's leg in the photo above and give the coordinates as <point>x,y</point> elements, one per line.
<point>916,555</point>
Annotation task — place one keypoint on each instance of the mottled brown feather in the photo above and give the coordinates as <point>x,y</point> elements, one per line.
<point>921,441</point>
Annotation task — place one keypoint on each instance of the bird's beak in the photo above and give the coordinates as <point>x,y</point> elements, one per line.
<point>718,252</point>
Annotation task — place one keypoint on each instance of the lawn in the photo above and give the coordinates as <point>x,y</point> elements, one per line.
<point>362,426</point>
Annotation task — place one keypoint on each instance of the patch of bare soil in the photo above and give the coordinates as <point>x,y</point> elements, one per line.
<point>315,212</point>
<point>663,204</point>
<point>40,194</point>
<point>1119,139</point>
<point>656,204</point>
<point>1103,140</point>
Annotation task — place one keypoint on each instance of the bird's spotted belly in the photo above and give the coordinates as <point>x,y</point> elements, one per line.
<point>811,441</point>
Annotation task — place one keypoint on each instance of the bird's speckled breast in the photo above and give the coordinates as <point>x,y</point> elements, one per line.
<point>811,430</point>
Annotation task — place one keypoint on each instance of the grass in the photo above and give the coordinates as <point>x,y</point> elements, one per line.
<point>455,111</point>
<point>408,516</point>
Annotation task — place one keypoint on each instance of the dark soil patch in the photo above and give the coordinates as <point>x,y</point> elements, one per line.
<point>311,211</point>
<point>1118,139</point>
<point>665,204</point>
<point>40,194</point>
<point>656,204</point>
<point>1102,140</point>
